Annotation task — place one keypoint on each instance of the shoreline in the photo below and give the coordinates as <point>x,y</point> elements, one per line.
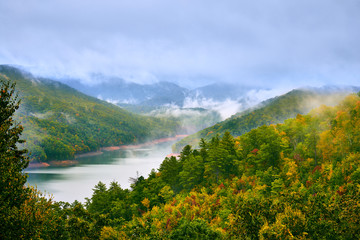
<point>68,163</point>
<point>88,154</point>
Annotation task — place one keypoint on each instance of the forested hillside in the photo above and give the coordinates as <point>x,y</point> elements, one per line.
<point>60,122</point>
<point>295,180</point>
<point>272,111</point>
<point>191,120</point>
<point>150,95</point>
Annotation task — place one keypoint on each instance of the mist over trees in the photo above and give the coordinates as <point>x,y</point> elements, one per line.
<point>271,111</point>
<point>264,97</point>
<point>60,122</point>
<point>295,180</point>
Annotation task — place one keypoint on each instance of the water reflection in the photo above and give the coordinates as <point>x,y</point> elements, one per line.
<point>76,183</point>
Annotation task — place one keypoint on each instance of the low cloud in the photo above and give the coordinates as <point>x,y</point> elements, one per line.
<point>229,106</point>
<point>224,108</point>
<point>191,120</point>
<point>256,96</point>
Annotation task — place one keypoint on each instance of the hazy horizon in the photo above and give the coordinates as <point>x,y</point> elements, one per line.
<point>267,44</point>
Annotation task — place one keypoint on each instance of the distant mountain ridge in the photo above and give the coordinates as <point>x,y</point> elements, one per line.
<point>118,90</point>
<point>60,121</point>
<point>162,93</point>
<point>220,91</point>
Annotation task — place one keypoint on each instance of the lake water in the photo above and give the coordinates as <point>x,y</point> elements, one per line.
<point>76,182</point>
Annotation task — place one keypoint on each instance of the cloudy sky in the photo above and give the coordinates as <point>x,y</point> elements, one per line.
<point>191,42</point>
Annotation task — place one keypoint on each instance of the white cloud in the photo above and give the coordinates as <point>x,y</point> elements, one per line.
<point>224,108</point>
<point>262,43</point>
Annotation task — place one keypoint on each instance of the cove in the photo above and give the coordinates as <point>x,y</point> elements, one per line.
<point>76,182</point>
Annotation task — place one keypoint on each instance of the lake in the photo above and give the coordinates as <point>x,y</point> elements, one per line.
<point>76,182</point>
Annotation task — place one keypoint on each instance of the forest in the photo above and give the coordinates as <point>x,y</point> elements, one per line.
<point>294,180</point>
<point>60,122</point>
<point>271,111</point>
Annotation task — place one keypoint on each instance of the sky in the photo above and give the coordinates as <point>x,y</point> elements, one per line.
<point>267,43</point>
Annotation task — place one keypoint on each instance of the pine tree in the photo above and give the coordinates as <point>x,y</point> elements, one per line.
<point>13,193</point>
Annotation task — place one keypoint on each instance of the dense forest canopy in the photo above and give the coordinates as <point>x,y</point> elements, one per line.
<point>296,180</point>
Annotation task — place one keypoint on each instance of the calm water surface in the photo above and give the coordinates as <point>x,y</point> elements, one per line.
<point>76,183</point>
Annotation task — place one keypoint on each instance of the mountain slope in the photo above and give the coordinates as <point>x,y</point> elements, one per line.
<point>119,91</point>
<point>295,180</point>
<point>60,121</point>
<point>159,94</point>
<point>272,111</point>
<point>221,91</point>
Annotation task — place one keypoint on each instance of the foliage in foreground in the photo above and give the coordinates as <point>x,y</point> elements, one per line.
<point>24,212</point>
<point>297,180</point>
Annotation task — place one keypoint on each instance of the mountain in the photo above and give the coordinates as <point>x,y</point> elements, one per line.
<point>121,92</point>
<point>191,120</point>
<point>211,103</point>
<point>60,122</point>
<point>271,111</point>
<point>220,92</point>
<point>117,90</point>
<point>161,99</point>
<point>296,180</point>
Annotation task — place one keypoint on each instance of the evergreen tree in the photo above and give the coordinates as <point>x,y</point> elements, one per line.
<point>170,169</point>
<point>12,160</point>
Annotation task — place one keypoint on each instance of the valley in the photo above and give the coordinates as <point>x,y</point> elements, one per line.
<point>60,122</point>
<point>179,120</point>
<point>301,146</point>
